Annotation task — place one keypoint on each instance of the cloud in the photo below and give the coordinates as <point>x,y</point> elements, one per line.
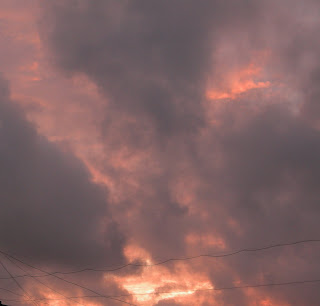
<point>250,178</point>
<point>263,190</point>
<point>51,212</point>
<point>150,59</point>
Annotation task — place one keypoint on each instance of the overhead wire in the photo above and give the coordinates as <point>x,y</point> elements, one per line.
<point>278,245</point>
<point>190,290</point>
<point>67,281</point>
<point>227,288</point>
<point>115,297</point>
<point>38,281</point>
<point>12,292</point>
<point>17,283</point>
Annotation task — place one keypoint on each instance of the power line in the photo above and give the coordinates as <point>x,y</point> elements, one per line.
<point>7,290</point>
<point>67,281</point>
<point>248,250</point>
<point>25,292</point>
<point>38,281</point>
<point>45,273</point>
<point>192,291</point>
<point>230,288</point>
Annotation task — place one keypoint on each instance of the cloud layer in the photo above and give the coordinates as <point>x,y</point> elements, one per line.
<point>207,140</point>
<point>51,211</point>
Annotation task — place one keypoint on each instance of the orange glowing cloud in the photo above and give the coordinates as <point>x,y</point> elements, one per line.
<point>179,284</point>
<point>238,82</point>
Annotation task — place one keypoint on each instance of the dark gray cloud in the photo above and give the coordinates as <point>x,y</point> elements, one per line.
<point>256,172</point>
<point>151,59</point>
<point>51,212</point>
<point>267,182</point>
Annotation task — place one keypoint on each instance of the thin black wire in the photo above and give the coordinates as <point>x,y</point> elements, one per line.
<point>37,280</point>
<point>163,262</point>
<point>25,292</point>
<point>193,291</point>
<point>227,288</point>
<point>7,290</point>
<point>67,281</point>
<point>176,259</point>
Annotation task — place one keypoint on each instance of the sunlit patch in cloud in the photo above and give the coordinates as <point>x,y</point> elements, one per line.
<point>237,83</point>
<point>133,253</point>
<point>238,87</point>
<point>148,286</point>
<point>153,279</point>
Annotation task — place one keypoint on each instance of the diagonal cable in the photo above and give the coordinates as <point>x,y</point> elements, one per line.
<point>38,281</point>
<point>245,250</point>
<point>67,281</point>
<point>17,283</point>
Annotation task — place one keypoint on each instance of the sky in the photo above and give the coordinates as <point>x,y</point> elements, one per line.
<point>133,132</point>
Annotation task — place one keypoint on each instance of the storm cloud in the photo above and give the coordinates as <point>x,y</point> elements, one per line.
<point>207,140</point>
<point>51,212</point>
<point>254,174</point>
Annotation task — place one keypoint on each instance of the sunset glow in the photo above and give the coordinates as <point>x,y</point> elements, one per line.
<point>159,153</point>
<point>238,83</point>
